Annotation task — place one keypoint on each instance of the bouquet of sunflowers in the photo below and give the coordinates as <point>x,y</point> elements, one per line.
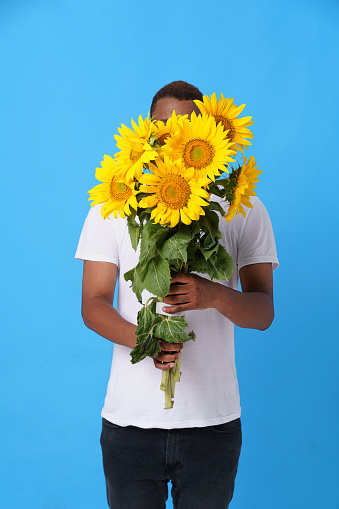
<point>170,180</point>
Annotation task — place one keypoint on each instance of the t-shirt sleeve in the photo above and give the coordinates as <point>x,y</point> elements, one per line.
<point>98,239</point>
<point>257,243</point>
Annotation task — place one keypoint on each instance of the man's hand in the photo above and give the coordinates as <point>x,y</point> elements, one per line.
<point>187,292</point>
<point>169,353</point>
<point>251,308</point>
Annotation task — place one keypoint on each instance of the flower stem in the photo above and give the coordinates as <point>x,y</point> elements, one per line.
<point>177,372</point>
<point>171,376</point>
<point>168,381</point>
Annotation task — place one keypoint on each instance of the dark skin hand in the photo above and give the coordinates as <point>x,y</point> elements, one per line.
<point>251,308</point>
<point>169,353</point>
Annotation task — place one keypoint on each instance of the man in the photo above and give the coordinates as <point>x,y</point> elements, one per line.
<point>196,444</point>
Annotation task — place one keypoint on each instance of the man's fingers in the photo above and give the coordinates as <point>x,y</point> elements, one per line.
<point>163,365</point>
<point>177,309</point>
<point>170,347</point>
<point>175,299</point>
<point>168,357</point>
<point>180,284</point>
<point>181,278</point>
<point>169,353</point>
<point>178,290</point>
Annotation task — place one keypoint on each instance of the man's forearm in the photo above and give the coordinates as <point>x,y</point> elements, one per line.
<point>253,310</point>
<point>100,316</point>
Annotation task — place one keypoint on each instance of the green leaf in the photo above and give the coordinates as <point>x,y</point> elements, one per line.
<point>216,206</point>
<point>220,265</point>
<point>153,236</point>
<point>156,276</point>
<point>197,262</point>
<point>192,335</point>
<point>145,320</point>
<point>209,246</point>
<point>147,343</point>
<point>144,214</point>
<point>134,230</point>
<point>172,330</point>
<point>153,347</point>
<point>193,228</point>
<point>176,246</point>
<point>211,223</point>
<point>151,327</point>
<point>148,347</point>
<point>224,263</point>
<point>214,189</point>
<point>137,284</point>
<point>142,337</point>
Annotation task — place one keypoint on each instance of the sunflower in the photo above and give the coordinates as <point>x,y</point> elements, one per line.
<point>226,113</point>
<point>167,129</point>
<point>116,193</point>
<point>246,181</point>
<point>175,195</point>
<point>201,144</point>
<point>135,149</point>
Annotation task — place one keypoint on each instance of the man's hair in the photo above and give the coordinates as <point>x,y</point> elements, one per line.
<point>178,90</point>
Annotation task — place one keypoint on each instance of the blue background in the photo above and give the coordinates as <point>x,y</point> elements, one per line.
<point>72,72</point>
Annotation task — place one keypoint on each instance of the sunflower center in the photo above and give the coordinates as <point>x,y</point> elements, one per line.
<point>174,191</point>
<point>198,153</point>
<point>119,190</point>
<point>135,155</point>
<point>162,138</point>
<point>227,125</point>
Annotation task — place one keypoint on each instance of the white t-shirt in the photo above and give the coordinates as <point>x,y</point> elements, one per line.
<point>208,392</point>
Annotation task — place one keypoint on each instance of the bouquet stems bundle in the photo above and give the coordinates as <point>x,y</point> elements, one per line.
<point>172,181</point>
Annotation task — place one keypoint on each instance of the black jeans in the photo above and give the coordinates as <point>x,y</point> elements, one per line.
<point>201,463</point>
